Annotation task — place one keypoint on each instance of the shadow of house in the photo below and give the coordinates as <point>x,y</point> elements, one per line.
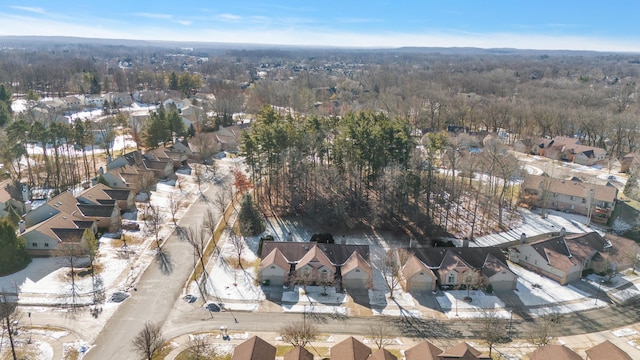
<point>254,348</point>
<point>311,263</point>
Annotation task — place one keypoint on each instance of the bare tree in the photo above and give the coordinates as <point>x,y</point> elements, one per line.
<point>149,341</point>
<point>174,206</point>
<point>493,329</point>
<point>390,266</point>
<point>199,348</point>
<point>540,335</point>
<point>72,253</point>
<point>153,220</point>
<point>380,332</point>
<point>198,239</point>
<point>238,245</point>
<point>471,279</point>
<point>299,333</point>
<point>7,318</point>
<point>222,199</point>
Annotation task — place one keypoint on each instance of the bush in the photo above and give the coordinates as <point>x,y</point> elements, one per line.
<point>489,289</point>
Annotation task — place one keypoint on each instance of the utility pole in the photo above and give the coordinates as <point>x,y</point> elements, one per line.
<point>5,313</point>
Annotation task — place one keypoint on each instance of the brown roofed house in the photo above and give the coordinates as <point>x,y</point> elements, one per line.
<point>254,349</point>
<point>555,352</point>
<point>382,354</point>
<point>462,351</point>
<point>298,353</point>
<point>350,349</point>
<point>607,350</point>
<point>423,351</point>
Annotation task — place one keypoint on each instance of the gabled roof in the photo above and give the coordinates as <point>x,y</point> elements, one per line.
<point>64,202</point>
<point>382,354</point>
<point>349,349</point>
<point>492,265</point>
<point>96,210</point>
<point>57,221</point>
<point>463,351</point>
<point>555,352</point>
<point>565,251</point>
<point>355,261</point>
<point>275,257</point>
<point>423,351</point>
<point>294,251</point>
<point>414,266</point>
<point>606,350</point>
<point>570,188</point>
<point>316,254</point>
<point>83,224</point>
<point>298,353</point>
<point>118,194</point>
<point>453,260</point>
<point>254,349</point>
<point>473,257</point>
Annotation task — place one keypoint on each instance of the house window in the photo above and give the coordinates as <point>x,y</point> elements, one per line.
<point>273,267</point>
<point>451,279</point>
<point>46,244</point>
<point>358,270</point>
<point>536,262</point>
<point>584,201</point>
<point>34,244</point>
<point>526,258</point>
<point>571,197</point>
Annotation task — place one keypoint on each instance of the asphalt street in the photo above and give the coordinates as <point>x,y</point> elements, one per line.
<point>157,291</point>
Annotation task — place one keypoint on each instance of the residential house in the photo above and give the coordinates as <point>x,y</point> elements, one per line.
<point>43,238</point>
<point>93,101</point>
<point>456,267</point>
<point>298,353</point>
<point>423,351</point>
<point>119,98</point>
<point>72,103</point>
<point>555,352</point>
<point>178,158</point>
<point>349,349</point>
<point>629,161</point>
<point>7,201</point>
<point>561,257</point>
<point>159,167</point>
<point>102,194</point>
<point>254,348</point>
<point>567,149</point>
<point>106,216</point>
<point>127,177</point>
<point>286,263</point>
<point>382,354</point>
<point>463,351</point>
<point>607,350</point>
<point>572,195</point>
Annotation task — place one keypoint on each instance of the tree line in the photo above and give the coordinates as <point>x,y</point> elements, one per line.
<point>366,169</point>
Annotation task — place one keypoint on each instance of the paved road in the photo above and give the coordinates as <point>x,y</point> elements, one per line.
<point>156,293</point>
<point>188,319</point>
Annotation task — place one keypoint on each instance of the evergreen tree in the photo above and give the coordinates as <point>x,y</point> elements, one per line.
<point>173,81</point>
<point>13,253</point>
<point>249,219</point>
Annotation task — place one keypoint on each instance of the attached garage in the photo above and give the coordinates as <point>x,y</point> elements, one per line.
<point>421,281</point>
<point>504,280</point>
<point>273,276</point>
<point>356,273</point>
<point>274,269</point>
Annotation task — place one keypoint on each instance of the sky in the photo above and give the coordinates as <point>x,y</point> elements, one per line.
<point>610,25</point>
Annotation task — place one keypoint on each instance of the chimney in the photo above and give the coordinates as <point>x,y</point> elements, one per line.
<point>25,193</point>
<point>289,237</point>
<point>562,231</point>
<point>523,238</point>
<point>465,242</point>
<point>108,159</point>
<point>21,226</point>
<point>101,170</point>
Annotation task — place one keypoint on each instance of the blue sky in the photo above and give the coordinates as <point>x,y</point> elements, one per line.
<point>524,24</point>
